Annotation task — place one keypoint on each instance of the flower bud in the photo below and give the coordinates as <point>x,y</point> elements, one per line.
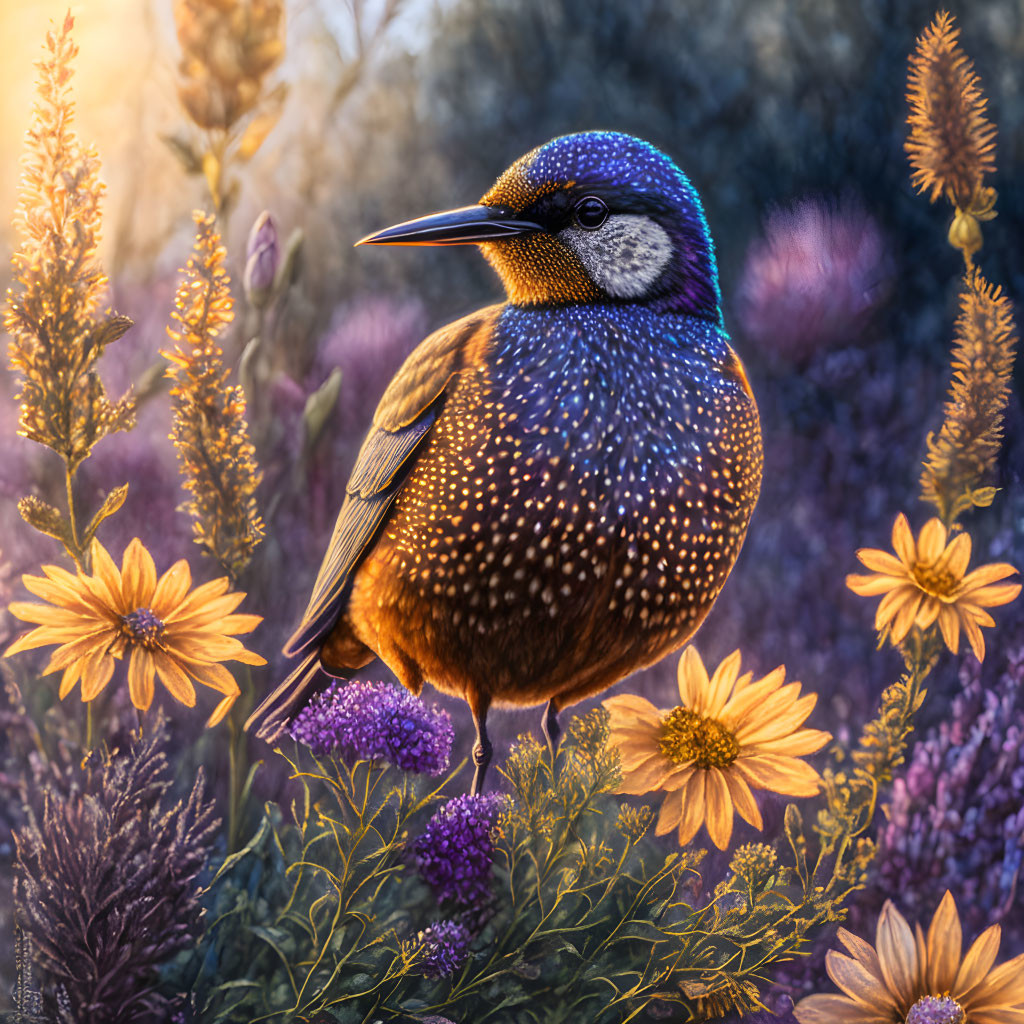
<point>965,233</point>
<point>262,256</point>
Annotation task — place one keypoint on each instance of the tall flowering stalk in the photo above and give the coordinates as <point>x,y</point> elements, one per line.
<point>210,430</point>
<point>963,453</point>
<point>228,48</point>
<point>58,331</point>
<point>951,145</point>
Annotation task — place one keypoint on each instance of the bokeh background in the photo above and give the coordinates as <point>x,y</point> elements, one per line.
<point>839,291</point>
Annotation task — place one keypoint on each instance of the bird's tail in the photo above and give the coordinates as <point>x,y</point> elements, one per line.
<point>304,681</point>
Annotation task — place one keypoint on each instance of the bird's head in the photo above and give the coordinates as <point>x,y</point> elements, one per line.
<point>592,217</point>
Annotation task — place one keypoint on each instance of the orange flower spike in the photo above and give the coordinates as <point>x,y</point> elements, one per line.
<point>927,582</point>
<point>951,145</point>
<point>168,631</point>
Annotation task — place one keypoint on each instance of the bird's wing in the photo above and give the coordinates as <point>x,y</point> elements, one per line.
<point>411,404</point>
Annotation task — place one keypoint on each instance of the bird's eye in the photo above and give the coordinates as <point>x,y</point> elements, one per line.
<point>591,213</point>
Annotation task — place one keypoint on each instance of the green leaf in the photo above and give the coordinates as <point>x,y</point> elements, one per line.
<point>111,503</point>
<point>795,834</point>
<point>232,859</point>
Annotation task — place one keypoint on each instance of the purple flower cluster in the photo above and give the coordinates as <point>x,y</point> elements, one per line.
<point>813,280</point>
<point>935,1010</point>
<point>376,721</point>
<point>454,854</point>
<point>444,947</point>
<point>956,816</point>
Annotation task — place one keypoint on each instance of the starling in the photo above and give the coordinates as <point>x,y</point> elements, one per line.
<point>554,489</point>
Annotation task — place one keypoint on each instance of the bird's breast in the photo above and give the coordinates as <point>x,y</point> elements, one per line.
<point>593,477</point>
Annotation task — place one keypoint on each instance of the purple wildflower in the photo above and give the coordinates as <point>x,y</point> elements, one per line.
<point>956,817</point>
<point>813,280</point>
<point>935,1010</point>
<point>262,257</point>
<point>444,947</point>
<point>376,721</point>
<point>454,853</point>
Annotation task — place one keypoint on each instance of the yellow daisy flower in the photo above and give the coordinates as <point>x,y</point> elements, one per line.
<point>168,632</point>
<point>907,978</point>
<point>727,735</point>
<point>926,583</point>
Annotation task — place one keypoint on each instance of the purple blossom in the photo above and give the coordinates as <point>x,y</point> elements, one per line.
<point>956,816</point>
<point>376,721</point>
<point>454,854</point>
<point>444,947</point>
<point>813,280</point>
<point>935,1010</point>
<point>262,256</point>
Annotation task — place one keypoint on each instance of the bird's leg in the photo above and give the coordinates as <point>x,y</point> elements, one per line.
<point>482,750</point>
<point>552,730</point>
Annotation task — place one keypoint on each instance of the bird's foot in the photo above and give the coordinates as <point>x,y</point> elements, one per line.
<point>481,758</point>
<point>552,730</point>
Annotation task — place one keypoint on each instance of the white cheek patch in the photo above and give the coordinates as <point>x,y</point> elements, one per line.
<point>624,256</point>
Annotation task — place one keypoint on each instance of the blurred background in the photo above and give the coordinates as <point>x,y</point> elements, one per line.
<point>839,289</point>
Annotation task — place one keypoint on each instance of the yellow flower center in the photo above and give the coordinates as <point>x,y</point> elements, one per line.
<point>687,736</point>
<point>935,1010</point>
<point>935,582</point>
<point>142,627</point>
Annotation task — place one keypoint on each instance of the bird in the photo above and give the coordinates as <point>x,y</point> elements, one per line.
<point>555,488</point>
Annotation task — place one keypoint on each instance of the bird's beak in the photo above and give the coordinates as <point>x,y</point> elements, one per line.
<point>454,227</point>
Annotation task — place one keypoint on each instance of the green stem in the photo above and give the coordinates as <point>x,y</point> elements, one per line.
<point>75,551</point>
<point>234,785</point>
<point>88,726</point>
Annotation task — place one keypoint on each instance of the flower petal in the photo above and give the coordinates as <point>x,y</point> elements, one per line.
<point>897,956</point>
<point>858,983</point>
<point>973,631</point>
<point>692,797</point>
<point>693,679</point>
<point>905,616</point>
<point>931,542</point>
<point>944,946</point>
<point>977,963</point>
<point>105,572</point>
<point>721,685</point>
<point>778,773</point>
<point>872,586</point>
<point>719,813</point>
<point>863,951</point>
<point>138,575</point>
<point>882,562</point>
<point>986,574</point>
<point>171,589</point>
<point>833,1009</point>
<point>743,800</point>
<point>217,677</point>
<point>903,541</point>
<point>174,678</point>
<point>949,623</point>
<point>221,710</point>
<point>96,672</point>
<point>141,671</point>
<point>670,813</point>
<point>796,744</point>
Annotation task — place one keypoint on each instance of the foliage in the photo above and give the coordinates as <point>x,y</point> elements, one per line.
<point>327,913</point>
<point>106,881</point>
